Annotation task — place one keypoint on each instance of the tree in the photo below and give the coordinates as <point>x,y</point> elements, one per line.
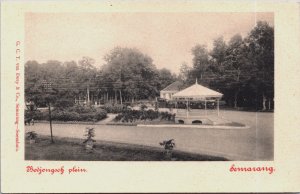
<point>184,72</point>
<point>35,75</point>
<point>243,69</point>
<point>87,75</point>
<point>216,68</point>
<point>218,52</point>
<point>260,44</point>
<point>201,64</point>
<point>165,78</point>
<point>235,63</point>
<point>67,79</point>
<point>200,60</point>
<point>218,55</point>
<point>134,69</point>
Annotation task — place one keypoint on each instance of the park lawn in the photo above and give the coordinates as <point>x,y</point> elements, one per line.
<point>71,149</point>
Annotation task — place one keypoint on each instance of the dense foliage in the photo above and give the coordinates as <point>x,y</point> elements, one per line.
<point>242,69</point>
<point>127,76</point>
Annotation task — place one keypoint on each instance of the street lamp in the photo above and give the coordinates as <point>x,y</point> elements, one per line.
<point>47,86</point>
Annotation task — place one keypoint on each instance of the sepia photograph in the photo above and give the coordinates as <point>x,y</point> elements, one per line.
<point>149,86</point>
<point>150,97</point>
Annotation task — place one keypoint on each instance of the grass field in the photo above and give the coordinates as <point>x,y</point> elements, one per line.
<point>71,149</point>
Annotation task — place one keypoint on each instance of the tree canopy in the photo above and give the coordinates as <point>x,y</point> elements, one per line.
<point>242,69</point>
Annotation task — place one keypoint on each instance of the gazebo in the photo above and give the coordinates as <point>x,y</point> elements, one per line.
<point>199,104</point>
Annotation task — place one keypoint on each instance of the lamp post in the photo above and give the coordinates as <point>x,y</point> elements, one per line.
<point>47,86</point>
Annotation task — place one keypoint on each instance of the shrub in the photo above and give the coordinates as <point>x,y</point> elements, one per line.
<point>29,114</point>
<point>75,113</point>
<point>89,141</point>
<point>133,115</point>
<point>153,114</point>
<point>100,114</point>
<point>143,107</point>
<point>36,115</point>
<point>65,116</point>
<point>81,109</point>
<point>117,108</point>
<point>89,134</point>
<point>119,117</point>
<point>168,146</point>
<point>31,135</point>
<point>93,116</point>
<point>86,117</point>
<point>167,116</point>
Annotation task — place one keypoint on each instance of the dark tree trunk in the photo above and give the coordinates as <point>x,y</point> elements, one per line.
<point>264,99</point>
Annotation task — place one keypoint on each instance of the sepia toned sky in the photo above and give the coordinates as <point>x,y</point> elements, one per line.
<point>166,37</point>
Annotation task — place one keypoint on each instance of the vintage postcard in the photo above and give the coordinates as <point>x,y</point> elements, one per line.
<point>150,96</point>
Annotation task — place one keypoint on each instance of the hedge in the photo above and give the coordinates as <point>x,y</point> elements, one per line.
<point>75,113</point>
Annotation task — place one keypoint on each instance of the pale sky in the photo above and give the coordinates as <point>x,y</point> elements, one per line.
<point>166,37</point>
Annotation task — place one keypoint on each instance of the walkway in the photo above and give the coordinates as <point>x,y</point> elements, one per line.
<point>109,118</point>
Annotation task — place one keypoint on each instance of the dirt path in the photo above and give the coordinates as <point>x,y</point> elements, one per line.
<point>109,118</point>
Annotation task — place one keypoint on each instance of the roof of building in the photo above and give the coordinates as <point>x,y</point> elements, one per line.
<point>175,86</point>
<point>197,91</point>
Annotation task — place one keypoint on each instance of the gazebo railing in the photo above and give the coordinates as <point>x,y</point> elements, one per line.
<point>195,112</point>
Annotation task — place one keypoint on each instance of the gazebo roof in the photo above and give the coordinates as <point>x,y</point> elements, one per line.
<point>197,91</point>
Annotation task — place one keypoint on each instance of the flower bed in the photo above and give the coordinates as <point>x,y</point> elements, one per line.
<point>143,115</point>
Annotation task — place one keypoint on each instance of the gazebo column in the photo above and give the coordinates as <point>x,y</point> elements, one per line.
<point>187,109</point>
<point>205,106</point>
<point>121,101</point>
<point>218,106</point>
